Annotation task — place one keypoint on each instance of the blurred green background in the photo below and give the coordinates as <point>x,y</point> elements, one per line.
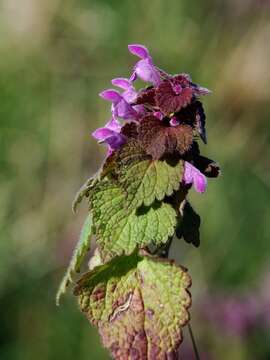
<point>55,57</point>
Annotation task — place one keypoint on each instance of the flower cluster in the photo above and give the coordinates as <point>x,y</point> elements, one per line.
<point>137,206</point>
<point>166,117</point>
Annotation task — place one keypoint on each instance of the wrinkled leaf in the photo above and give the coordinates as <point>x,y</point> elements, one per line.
<point>139,305</point>
<point>159,139</point>
<point>170,101</point>
<point>147,97</point>
<point>84,191</point>
<point>145,179</point>
<point>130,130</point>
<point>120,230</point>
<point>79,253</point>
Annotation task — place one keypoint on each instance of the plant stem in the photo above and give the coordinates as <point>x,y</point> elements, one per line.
<point>196,352</point>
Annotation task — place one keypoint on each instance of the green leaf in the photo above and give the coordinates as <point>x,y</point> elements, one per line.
<point>145,179</point>
<point>78,256</point>
<point>84,191</point>
<point>120,230</point>
<point>139,305</point>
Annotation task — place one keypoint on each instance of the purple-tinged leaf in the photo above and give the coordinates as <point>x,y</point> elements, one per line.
<point>139,304</point>
<point>171,101</point>
<point>159,139</point>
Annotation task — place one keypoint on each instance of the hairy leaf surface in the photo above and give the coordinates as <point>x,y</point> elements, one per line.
<point>158,139</point>
<point>120,229</point>
<point>169,101</point>
<point>145,179</point>
<point>139,304</point>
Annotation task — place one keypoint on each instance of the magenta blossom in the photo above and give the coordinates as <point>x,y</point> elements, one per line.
<point>158,114</point>
<point>129,93</point>
<point>110,134</point>
<point>120,107</point>
<point>174,121</point>
<point>193,176</point>
<point>144,69</point>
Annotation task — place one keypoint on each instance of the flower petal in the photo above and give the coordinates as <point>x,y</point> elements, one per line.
<point>130,94</point>
<point>102,134</point>
<point>113,125</point>
<point>147,72</point>
<point>174,121</point>
<point>200,182</point>
<point>188,173</point>
<point>193,176</point>
<point>111,95</point>
<point>139,50</point>
<point>124,110</point>
<point>140,109</point>
<point>110,134</point>
<point>158,114</point>
<point>123,83</point>
<point>115,141</point>
<point>133,76</point>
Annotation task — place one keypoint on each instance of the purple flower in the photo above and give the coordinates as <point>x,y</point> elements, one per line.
<point>120,107</point>
<point>110,134</point>
<point>129,94</point>
<point>174,121</point>
<point>158,114</point>
<point>144,69</point>
<point>193,176</point>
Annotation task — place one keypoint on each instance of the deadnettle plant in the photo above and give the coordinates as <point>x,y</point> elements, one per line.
<point>138,202</point>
